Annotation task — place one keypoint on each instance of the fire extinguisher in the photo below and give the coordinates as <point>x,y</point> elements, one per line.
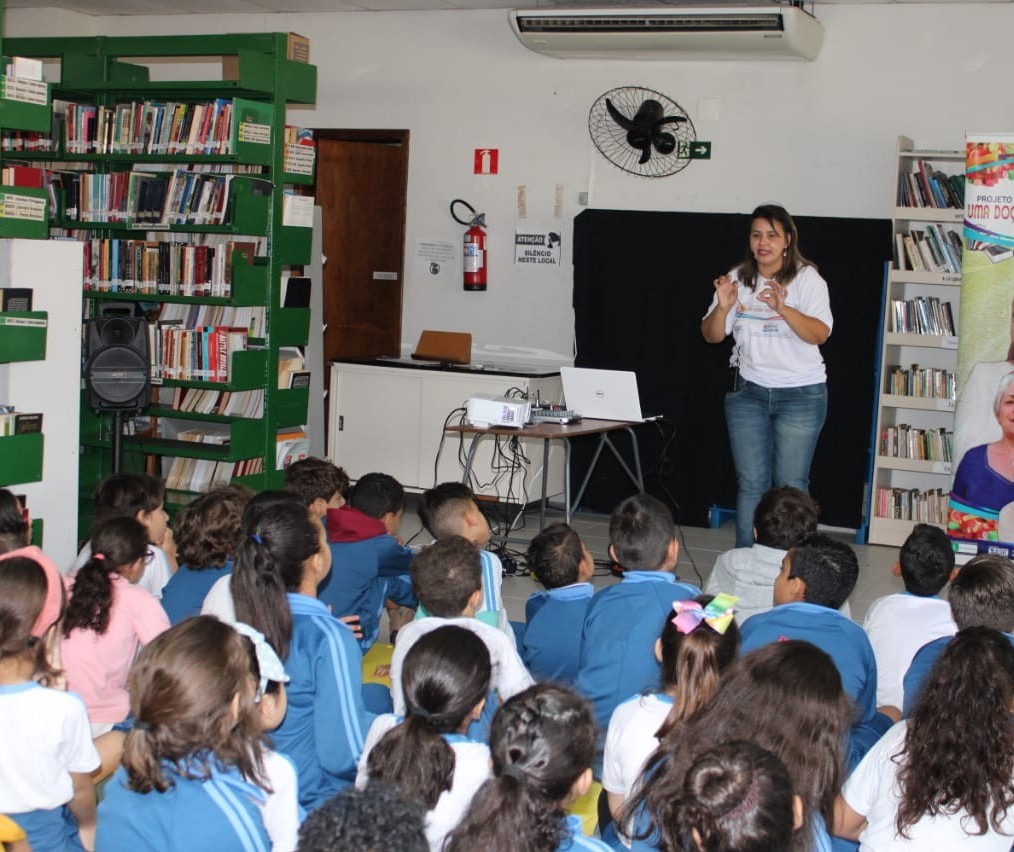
<point>475,259</point>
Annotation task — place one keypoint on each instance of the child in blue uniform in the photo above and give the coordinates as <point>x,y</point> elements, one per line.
<point>542,744</point>
<point>192,773</point>
<point>278,568</point>
<point>981,595</point>
<point>816,577</point>
<point>370,563</point>
<point>551,643</point>
<point>207,533</point>
<point>320,484</point>
<point>621,626</point>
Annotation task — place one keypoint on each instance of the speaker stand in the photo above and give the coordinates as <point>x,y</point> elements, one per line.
<point>117,441</point>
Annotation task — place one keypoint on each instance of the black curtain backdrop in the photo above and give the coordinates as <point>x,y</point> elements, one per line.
<point>642,283</point>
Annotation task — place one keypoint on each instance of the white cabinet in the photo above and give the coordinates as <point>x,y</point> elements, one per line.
<point>391,418</point>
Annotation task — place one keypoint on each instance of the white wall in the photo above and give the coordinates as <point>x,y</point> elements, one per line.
<point>818,137</point>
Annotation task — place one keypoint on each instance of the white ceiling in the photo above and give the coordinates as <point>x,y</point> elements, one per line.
<point>190,7</point>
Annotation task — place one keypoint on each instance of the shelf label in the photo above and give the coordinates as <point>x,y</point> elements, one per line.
<point>258,134</point>
<point>14,206</point>
<point>951,278</point>
<point>941,467</point>
<point>25,322</point>
<point>949,342</point>
<point>945,405</point>
<point>299,159</point>
<point>25,91</point>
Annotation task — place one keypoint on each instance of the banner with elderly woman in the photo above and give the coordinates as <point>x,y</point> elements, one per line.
<point>982,496</point>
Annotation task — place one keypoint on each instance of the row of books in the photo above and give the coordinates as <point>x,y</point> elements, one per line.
<point>935,249</point>
<point>291,445</point>
<point>912,442</point>
<point>145,198</point>
<point>926,187</point>
<point>202,354</point>
<point>13,422</point>
<point>16,141</point>
<point>922,315</point>
<point>203,475</point>
<point>163,268</point>
<point>925,382</point>
<point>247,404</point>
<point>152,128</point>
<point>192,316</point>
<point>911,504</point>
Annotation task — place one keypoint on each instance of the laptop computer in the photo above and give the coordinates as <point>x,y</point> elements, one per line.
<point>602,394</point>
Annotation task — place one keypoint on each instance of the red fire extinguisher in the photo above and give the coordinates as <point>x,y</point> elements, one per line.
<point>474,259</point>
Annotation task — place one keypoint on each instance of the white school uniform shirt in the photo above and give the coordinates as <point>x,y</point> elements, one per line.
<point>872,790</point>
<point>770,353</point>
<point>280,810</point>
<point>155,575</point>
<point>218,601</point>
<point>471,770</point>
<point>631,740</point>
<point>509,675</point>
<point>44,736</point>
<point>492,593</point>
<point>898,626</point>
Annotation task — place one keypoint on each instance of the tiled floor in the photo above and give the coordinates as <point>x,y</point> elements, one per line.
<point>699,548</point>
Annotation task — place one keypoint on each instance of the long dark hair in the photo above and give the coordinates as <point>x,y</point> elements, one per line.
<point>787,698</point>
<point>692,664</point>
<point>445,675</point>
<point>116,543</point>
<point>181,691</point>
<point>793,260</point>
<point>23,588</point>
<point>736,797</point>
<point>542,741</point>
<point>959,747</point>
<point>14,532</point>
<point>279,537</point>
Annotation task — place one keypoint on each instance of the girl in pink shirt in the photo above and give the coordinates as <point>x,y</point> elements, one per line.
<point>108,619</point>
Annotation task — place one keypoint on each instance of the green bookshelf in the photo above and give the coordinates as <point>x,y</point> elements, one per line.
<point>20,459</point>
<point>23,336</point>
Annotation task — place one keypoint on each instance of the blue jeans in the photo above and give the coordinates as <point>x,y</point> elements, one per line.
<point>773,433</point>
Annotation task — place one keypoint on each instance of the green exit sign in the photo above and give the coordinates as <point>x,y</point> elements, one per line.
<point>695,150</point>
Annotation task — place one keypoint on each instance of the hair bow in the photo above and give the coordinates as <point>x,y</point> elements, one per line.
<point>267,659</point>
<point>717,614</point>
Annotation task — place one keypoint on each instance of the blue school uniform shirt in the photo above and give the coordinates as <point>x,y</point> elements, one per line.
<point>575,838</point>
<point>551,647</point>
<point>924,660</point>
<point>219,814</point>
<point>326,723</point>
<point>184,594</point>
<point>618,640</point>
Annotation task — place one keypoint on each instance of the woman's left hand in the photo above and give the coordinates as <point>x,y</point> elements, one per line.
<point>773,296</point>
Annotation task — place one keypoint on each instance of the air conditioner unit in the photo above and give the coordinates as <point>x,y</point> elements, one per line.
<point>725,33</point>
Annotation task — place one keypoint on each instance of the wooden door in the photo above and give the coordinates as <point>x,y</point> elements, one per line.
<point>362,180</point>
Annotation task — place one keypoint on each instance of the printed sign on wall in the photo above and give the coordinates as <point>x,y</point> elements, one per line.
<point>487,161</point>
<point>541,248</point>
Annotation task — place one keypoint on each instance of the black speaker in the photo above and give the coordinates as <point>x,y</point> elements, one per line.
<point>117,368</point>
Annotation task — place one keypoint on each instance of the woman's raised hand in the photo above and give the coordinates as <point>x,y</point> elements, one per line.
<point>725,287</point>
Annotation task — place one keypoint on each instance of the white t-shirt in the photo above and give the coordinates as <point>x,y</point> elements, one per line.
<point>44,736</point>
<point>631,740</point>
<point>899,625</point>
<point>769,352</point>
<point>509,676</point>
<point>218,601</point>
<point>155,575</point>
<point>471,770</point>
<point>281,812</point>
<point>872,791</point>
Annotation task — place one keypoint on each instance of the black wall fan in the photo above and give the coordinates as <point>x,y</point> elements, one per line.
<point>642,131</point>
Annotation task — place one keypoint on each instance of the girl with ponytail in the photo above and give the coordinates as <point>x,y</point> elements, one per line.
<point>282,559</point>
<point>427,756</point>
<point>108,618</point>
<point>693,652</point>
<point>543,744</point>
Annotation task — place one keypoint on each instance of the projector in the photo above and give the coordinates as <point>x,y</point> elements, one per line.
<point>497,411</point>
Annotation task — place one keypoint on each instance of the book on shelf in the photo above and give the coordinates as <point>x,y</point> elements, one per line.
<point>910,504</point>
<point>290,361</point>
<point>296,292</point>
<point>300,151</point>
<point>14,422</point>
<point>200,353</point>
<point>23,68</point>
<point>15,299</point>
<point>927,187</point>
<point>291,445</point>
<point>911,442</point>
<point>925,382</point>
<point>202,475</point>
<point>921,315</point>
<point>244,404</point>
<point>933,249</point>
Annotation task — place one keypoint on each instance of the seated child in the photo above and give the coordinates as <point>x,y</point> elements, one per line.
<point>817,576</point>
<point>446,578</point>
<point>139,496</point>
<point>542,745</point>
<point>372,819</point>
<point>193,771</point>
<point>620,629</point>
<point>320,484</point>
<point>47,751</point>
<point>207,533</point>
<point>551,642</point>
<point>109,617</point>
<point>783,517</point>
<point>981,595</point>
<point>898,625</point>
<point>450,509</point>
<point>427,756</point>
<point>370,563</point>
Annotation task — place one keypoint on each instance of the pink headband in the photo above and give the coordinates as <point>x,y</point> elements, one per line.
<point>53,604</point>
